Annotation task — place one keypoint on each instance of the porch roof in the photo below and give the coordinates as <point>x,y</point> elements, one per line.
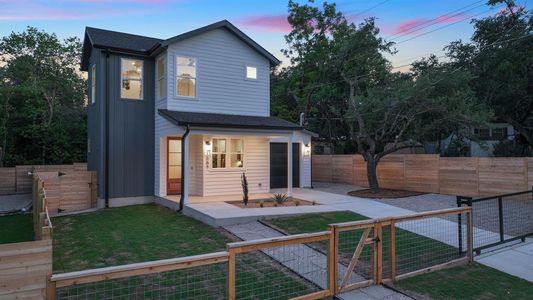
<point>183,118</point>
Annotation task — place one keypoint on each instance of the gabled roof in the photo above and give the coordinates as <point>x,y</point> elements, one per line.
<point>143,45</point>
<point>184,118</point>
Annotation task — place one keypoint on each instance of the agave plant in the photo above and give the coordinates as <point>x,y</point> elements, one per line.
<point>280,198</point>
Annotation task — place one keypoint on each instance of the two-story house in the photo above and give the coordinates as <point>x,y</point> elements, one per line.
<point>184,118</point>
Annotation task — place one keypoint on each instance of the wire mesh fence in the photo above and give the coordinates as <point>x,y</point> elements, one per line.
<point>203,282</point>
<point>500,219</point>
<point>428,242</point>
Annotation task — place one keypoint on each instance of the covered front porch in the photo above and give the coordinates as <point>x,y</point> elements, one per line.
<point>203,164</point>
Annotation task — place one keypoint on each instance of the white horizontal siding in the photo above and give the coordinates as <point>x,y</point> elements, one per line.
<point>221,87</point>
<point>257,169</point>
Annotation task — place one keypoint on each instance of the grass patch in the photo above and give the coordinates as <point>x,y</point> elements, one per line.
<point>473,281</point>
<point>16,228</point>
<point>413,251</point>
<point>131,234</point>
<point>141,233</point>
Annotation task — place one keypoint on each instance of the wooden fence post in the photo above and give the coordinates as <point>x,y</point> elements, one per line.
<point>333,260</point>
<point>378,253</point>
<point>50,289</point>
<point>231,273</point>
<point>393,251</point>
<point>470,236</point>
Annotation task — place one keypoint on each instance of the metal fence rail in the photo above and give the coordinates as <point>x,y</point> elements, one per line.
<point>302,266</point>
<point>500,219</point>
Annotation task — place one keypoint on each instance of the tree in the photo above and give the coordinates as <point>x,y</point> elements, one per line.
<point>42,113</point>
<point>349,80</point>
<point>500,58</point>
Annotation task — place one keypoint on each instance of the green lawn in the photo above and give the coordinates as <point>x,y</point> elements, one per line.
<point>473,281</point>
<point>16,228</point>
<point>141,233</point>
<point>413,251</point>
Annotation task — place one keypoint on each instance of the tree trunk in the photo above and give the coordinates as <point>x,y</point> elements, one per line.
<point>371,171</point>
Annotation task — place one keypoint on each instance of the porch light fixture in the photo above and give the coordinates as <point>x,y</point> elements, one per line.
<point>307,150</point>
<point>207,148</point>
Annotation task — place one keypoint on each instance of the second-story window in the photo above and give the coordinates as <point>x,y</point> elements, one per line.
<point>161,82</point>
<point>93,84</point>
<point>251,72</point>
<point>131,79</point>
<point>186,76</point>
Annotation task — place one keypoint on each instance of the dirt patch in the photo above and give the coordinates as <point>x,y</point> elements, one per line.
<point>256,203</point>
<point>383,194</point>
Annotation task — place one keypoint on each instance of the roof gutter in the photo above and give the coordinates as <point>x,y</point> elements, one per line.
<point>184,137</point>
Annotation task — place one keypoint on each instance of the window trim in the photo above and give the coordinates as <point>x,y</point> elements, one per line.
<point>163,78</point>
<point>176,76</point>
<point>141,80</point>
<point>228,154</point>
<point>246,66</point>
<point>93,84</point>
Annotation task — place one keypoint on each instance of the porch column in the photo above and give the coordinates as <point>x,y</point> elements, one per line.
<point>186,168</point>
<point>289,166</point>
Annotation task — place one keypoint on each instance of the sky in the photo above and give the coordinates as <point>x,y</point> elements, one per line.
<point>419,27</point>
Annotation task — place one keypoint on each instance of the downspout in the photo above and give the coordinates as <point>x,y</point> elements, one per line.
<point>106,164</point>
<point>184,137</point>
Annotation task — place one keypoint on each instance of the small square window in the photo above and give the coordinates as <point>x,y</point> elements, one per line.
<point>161,82</point>
<point>93,84</point>
<point>251,72</point>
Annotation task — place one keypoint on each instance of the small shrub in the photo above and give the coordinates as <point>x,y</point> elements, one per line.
<point>275,204</point>
<point>313,203</point>
<point>297,202</point>
<point>244,184</point>
<point>280,198</point>
<point>261,203</point>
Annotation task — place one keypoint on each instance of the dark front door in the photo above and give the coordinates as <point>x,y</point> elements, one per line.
<point>278,165</point>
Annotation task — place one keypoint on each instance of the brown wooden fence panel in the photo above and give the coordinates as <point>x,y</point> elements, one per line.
<point>322,168</point>
<point>343,169</point>
<point>529,172</point>
<point>421,173</point>
<point>502,175</point>
<point>360,177</point>
<point>8,184</point>
<point>24,269</point>
<point>458,176</point>
<point>391,172</point>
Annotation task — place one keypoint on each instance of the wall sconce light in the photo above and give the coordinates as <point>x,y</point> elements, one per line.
<point>307,150</point>
<point>208,147</point>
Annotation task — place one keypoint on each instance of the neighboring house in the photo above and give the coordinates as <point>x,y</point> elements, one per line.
<point>187,116</point>
<point>488,138</point>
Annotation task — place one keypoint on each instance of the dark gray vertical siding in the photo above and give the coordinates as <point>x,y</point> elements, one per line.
<point>131,137</point>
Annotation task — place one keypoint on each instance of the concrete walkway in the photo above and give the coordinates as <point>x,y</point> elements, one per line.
<point>308,262</point>
<point>516,260</point>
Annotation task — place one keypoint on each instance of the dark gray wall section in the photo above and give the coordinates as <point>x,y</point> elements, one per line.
<point>131,132</point>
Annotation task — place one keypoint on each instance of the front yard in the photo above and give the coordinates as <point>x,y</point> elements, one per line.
<point>140,233</point>
<point>472,281</point>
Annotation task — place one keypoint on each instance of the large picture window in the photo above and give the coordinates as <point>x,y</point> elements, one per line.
<point>93,84</point>
<point>186,76</point>
<point>131,79</point>
<point>161,82</point>
<point>227,153</point>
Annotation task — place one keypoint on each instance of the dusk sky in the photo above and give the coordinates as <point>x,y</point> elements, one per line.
<point>402,21</point>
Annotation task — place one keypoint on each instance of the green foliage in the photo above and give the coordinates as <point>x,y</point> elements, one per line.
<point>244,183</point>
<point>509,148</point>
<point>279,198</point>
<point>42,113</point>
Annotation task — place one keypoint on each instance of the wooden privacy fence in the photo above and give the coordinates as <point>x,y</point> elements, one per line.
<point>25,268</point>
<point>18,179</point>
<point>428,173</point>
<point>70,191</point>
<point>310,266</point>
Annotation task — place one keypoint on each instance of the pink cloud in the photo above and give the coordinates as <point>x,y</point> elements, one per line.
<point>277,23</point>
<point>413,25</point>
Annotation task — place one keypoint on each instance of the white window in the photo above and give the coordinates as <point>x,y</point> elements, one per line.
<point>251,72</point>
<point>227,157</point>
<point>131,79</point>
<point>88,145</point>
<point>161,81</point>
<point>186,76</point>
<point>93,84</point>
